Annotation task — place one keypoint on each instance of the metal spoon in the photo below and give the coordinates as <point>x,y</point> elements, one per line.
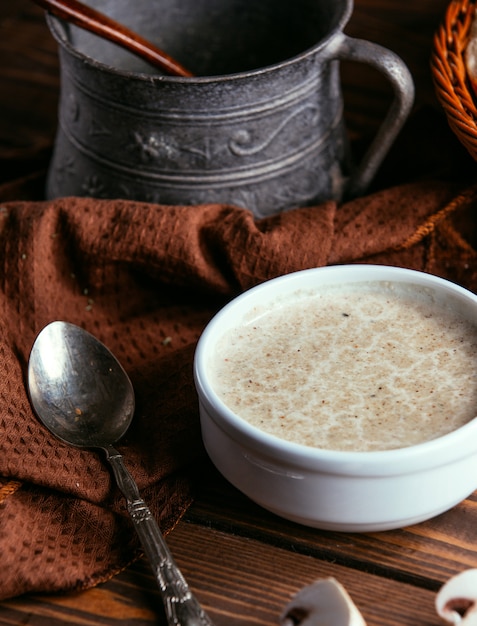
<point>83,396</point>
<point>102,25</point>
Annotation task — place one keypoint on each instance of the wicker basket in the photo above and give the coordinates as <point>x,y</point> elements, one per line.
<point>450,75</point>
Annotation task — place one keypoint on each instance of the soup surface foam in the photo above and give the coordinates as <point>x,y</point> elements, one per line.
<point>357,368</point>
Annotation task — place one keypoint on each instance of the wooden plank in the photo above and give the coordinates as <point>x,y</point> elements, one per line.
<point>129,598</point>
<point>29,80</point>
<point>406,29</point>
<point>258,580</point>
<point>239,581</point>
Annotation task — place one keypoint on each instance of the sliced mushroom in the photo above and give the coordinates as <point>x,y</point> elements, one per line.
<point>323,603</point>
<point>456,601</point>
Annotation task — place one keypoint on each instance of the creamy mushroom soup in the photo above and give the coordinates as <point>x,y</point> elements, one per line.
<point>359,368</point>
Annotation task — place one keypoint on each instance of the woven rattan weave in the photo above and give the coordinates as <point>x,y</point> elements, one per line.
<point>449,72</point>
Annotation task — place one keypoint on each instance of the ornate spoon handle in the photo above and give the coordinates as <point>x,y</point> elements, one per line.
<point>181,606</point>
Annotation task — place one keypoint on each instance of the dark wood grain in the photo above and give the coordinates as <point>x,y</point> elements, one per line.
<point>240,581</point>
<point>29,83</point>
<point>244,563</point>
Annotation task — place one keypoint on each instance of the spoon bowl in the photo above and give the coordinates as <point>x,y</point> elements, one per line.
<point>82,394</point>
<point>78,388</point>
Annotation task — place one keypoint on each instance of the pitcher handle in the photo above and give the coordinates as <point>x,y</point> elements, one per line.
<point>395,70</point>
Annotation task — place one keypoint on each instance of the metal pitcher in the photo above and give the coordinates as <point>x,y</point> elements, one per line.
<point>260,126</point>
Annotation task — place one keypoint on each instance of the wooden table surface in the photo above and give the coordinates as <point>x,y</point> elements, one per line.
<point>243,563</point>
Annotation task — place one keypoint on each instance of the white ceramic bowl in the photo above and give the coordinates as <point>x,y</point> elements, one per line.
<point>334,490</point>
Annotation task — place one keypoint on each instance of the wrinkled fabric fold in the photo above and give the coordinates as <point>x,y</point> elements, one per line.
<point>145,279</point>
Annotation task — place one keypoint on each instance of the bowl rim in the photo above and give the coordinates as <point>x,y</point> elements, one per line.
<point>445,449</point>
<point>60,28</point>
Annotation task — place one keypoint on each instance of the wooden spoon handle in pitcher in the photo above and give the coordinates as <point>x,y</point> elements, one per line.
<point>88,18</point>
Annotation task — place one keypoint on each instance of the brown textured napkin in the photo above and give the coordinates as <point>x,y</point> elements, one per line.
<point>145,279</point>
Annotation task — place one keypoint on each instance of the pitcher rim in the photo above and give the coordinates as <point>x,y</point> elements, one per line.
<point>56,25</point>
